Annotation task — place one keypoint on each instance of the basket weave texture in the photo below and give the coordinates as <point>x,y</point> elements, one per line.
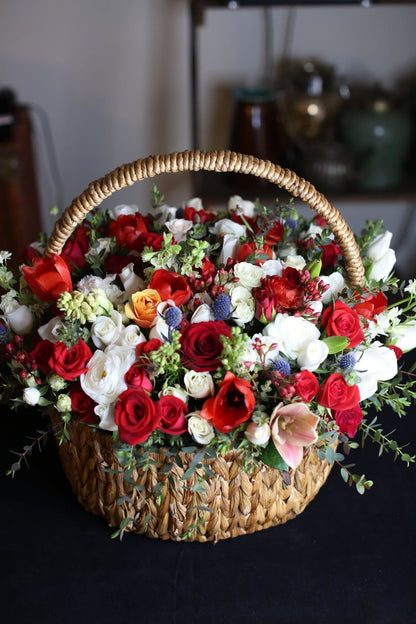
<point>234,502</point>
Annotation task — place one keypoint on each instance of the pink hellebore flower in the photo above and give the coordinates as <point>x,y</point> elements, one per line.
<point>293,427</point>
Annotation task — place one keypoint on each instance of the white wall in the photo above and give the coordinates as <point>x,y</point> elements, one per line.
<point>113,77</point>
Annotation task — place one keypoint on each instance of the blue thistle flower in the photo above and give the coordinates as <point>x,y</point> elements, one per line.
<point>282,367</point>
<point>4,334</point>
<point>173,317</point>
<point>222,307</point>
<point>292,223</point>
<point>347,361</point>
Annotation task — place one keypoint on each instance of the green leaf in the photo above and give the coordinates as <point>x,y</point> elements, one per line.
<point>271,457</point>
<point>344,475</point>
<point>336,344</point>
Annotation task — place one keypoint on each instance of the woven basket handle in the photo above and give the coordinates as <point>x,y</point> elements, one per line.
<point>222,161</point>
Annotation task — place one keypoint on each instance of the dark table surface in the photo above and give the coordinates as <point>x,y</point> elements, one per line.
<point>347,558</point>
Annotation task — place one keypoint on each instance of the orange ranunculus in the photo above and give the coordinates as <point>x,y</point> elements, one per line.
<point>143,307</point>
<point>49,277</point>
<point>232,406</point>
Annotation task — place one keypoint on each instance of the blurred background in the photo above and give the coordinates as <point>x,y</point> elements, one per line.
<point>326,89</point>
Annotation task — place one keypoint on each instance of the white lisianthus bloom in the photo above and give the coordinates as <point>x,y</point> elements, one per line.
<point>165,213</point>
<point>106,330</point>
<point>243,305</point>
<point>379,246</point>
<point>295,262</point>
<point>241,206</point>
<point>202,314</point>
<point>131,282</point>
<point>249,275</point>
<point>403,336</point>
<point>289,250</point>
<point>291,333</point>
<point>375,363</point>
<point>367,386</point>
<point>230,245</point>
<point>199,428</point>
<point>272,267</point>
<point>131,336</point>
<point>195,203</point>
<point>312,355</point>
<point>31,396</point>
<point>49,331</point>
<point>104,380</point>
<point>258,434</point>
<point>336,284</point>
<point>122,209</point>
<point>175,391</point>
<point>89,283</point>
<point>18,317</point>
<point>198,384</point>
<point>106,415</point>
<point>227,226</point>
<point>179,228</point>
<point>383,267</point>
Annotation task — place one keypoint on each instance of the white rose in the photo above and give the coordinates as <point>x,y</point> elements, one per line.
<point>272,267</point>
<point>122,209</point>
<point>198,384</point>
<point>63,403</point>
<point>227,226</point>
<point>199,428</point>
<point>291,333</point>
<point>104,380</point>
<point>404,336</point>
<point>313,231</point>
<point>175,391</point>
<point>289,250</point>
<point>106,415</point>
<point>243,305</point>
<point>195,203</point>
<point>49,331</point>
<point>295,262</point>
<point>179,228</point>
<point>258,434</point>
<point>336,284</point>
<point>249,275</point>
<point>312,355</point>
<point>230,245</point>
<point>241,206</point>
<point>56,382</point>
<point>19,318</point>
<point>131,336</point>
<point>106,330</point>
<point>202,314</point>
<point>31,396</point>
<point>382,267</point>
<point>131,282</point>
<point>379,246</point>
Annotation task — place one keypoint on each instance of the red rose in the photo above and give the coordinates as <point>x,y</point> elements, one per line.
<point>340,320</point>
<point>232,406</point>
<point>170,285</point>
<point>49,277</point>
<point>127,229</point>
<point>248,251</point>
<point>41,355</point>
<point>82,405</point>
<point>201,345</point>
<point>329,255</point>
<point>144,348</point>
<point>371,305</point>
<point>275,233</point>
<point>135,415</point>
<point>70,363</point>
<point>136,378</point>
<point>337,394</point>
<point>348,420</point>
<point>306,385</point>
<point>76,248</point>
<point>171,412</point>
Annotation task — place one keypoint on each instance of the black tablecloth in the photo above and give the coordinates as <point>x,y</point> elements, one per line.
<point>347,558</point>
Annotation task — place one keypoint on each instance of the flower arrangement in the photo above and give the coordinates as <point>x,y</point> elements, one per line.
<point>185,328</point>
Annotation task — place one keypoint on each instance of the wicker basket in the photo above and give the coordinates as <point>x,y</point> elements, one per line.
<point>234,502</point>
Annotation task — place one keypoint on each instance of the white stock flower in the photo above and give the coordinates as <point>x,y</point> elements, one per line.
<point>202,314</point>
<point>258,434</point>
<point>227,226</point>
<point>175,391</point>
<point>404,336</point>
<point>229,249</point>
<point>291,333</point>
<point>336,284</point>
<point>199,428</point>
<point>272,267</point>
<point>411,288</point>
<point>49,331</point>
<point>241,206</point>
<point>295,262</point>
<point>198,384</point>
<point>106,330</point>
<point>131,282</point>
<point>312,355</point>
<point>31,396</point>
<point>18,317</point>
<point>122,209</point>
<point>179,228</point>
<point>243,306</point>
<point>249,275</point>
<point>104,380</point>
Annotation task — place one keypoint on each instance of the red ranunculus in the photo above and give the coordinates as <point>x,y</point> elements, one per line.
<point>330,255</point>
<point>249,250</point>
<point>82,405</point>
<point>136,378</point>
<point>208,270</point>
<point>198,216</point>
<point>76,248</point>
<point>202,346</point>
<point>127,229</point>
<point>284,294</point>
<point>49,277</point>
<point>70,363</point>
<point>232,406</point>
<point>348,420</point>
<point>41,354</point>
<point>135,415</point>
<point>171,412</point>
<point>170,285</point>
<point>337,394</point>
<point>306,385</point>
<point>371,305</point>
<point>340,320</point>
